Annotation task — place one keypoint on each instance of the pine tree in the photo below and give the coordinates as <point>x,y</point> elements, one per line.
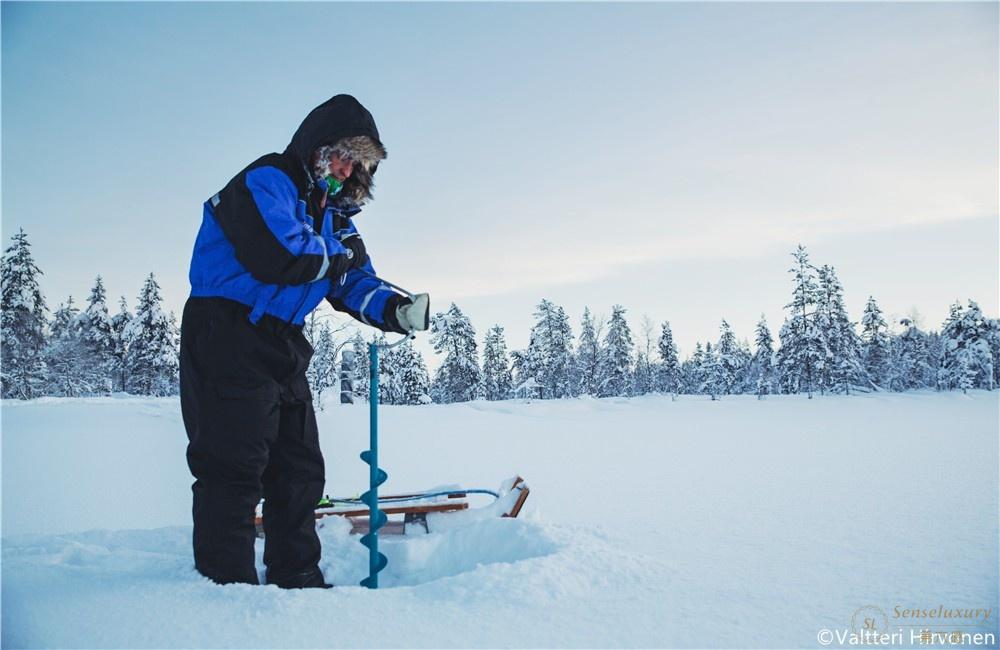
<point>762,369</point>
<point>729,362</point>
<point>910,356</point>
<point>616,357</point>
<point>967,361</point>
<point>65,355</point>
<point>97,334</point>
<point>668,376</point>
<point>875,344</point>
<point>361,378</point>
<point>458,377</point>
<point>551,350</point>
<point>152,344</point>
<point>22,310</point>
<point>842,369</point>
<point>588,356</point>
<point>644,374</point>
<point>693,370</point>
<point>411,381</point>
<point>710,372</point>
<point>497,379</point>
<point>993,338</point>
<point>802,352</point>
<point>120,345</point>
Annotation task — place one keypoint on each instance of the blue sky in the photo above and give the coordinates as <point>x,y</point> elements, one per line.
<point>667,157</point>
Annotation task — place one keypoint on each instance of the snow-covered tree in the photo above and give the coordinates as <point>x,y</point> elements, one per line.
<point>803,351</point>
<point>993,337</point>
<point>322,373</point>
<point>910,365</point>
<point>551,350</point>
<point>360,372</point>
<point>458,377</point>
<point>875,344</point>
<point>692,371</point>
<point>711,372</point>
<point>588,356</point>
<point>730,362</point>
<point>22,335</point>
<point>97,335</point>
<point>152,345</point>
<point>842,369</point>
<point>668,375</point>
<point>120,349</point>
<point>498,383</point>
<point>967,361</point>
<point>65,355</point>
<point>644,373</point>
<point>411,382</point>
<point>616,356</point>
<point>760,375</point>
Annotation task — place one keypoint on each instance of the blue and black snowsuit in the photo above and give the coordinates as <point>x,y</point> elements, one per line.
<point>268,252</point>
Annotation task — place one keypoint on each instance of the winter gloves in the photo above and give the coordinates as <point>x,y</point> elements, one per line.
<point>353,243</point>
<point>406,316</point>
<point>354,258</point>
<point>415,316</point>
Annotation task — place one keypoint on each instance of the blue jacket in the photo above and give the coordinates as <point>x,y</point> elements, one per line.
<point>266,243</point>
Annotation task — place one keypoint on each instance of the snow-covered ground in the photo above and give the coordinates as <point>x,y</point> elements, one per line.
<point>651,523</point>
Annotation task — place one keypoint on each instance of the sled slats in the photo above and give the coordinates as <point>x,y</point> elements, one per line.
<point>395,510</point>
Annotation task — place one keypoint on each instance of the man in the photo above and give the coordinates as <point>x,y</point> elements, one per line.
<point>274,242</point>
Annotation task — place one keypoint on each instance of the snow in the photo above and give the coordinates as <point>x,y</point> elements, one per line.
<point>651,523</point>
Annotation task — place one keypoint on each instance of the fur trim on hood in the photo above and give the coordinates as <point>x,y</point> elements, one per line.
<point>346,127</point>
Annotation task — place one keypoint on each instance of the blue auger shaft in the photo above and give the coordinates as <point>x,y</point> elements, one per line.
<point>376,518</point>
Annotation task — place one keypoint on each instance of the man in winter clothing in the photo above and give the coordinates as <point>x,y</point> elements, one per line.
<point>273,243</point>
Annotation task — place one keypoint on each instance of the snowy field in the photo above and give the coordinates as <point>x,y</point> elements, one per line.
<point>651,523</point>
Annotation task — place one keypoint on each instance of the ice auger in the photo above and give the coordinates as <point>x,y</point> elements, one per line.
<point>376,475</point>
<point>415,507</point>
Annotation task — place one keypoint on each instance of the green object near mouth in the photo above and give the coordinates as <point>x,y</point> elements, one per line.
<point>333,186</point>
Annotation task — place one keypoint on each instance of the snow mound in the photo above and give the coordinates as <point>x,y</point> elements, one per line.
<point>422,558</point>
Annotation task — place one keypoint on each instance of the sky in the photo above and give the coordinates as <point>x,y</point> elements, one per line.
<point>667,157</point>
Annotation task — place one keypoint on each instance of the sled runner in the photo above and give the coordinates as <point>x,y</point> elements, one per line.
<point>415,507</point>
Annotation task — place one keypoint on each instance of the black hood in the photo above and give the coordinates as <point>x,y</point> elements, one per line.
<point>341,116</point>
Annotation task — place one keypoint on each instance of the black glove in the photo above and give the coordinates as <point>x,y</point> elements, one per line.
<point>339,265</point>
<point>389,313</point>
<point>405,316</point>
<point>358,255</point>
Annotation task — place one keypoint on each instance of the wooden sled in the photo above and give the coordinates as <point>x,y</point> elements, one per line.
<point>415,507</point>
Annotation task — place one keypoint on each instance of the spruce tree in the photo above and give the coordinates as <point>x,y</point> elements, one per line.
<point>967,360</point>
<point>97,334</point>
<point>120,346</point>
<point>412,383</point>
<point>762,369</point>
<point>842,370</point>
<point>588,356</point>
<point>551,350</point>
<point>616,357</point>
<point>65,356</point>
<point>458,377</point>
<point>644,374</point>
<point>729,362</point>
<point>497,378</point>
<point>875,344</point>
<point>910,367</point>
<point>152,344</point>
<point>22,310</point>
<point>668,374</point>
<point>803,351</point>
<point>710,372</point>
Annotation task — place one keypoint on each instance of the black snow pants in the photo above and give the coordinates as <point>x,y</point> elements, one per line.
<point>252,432</point>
